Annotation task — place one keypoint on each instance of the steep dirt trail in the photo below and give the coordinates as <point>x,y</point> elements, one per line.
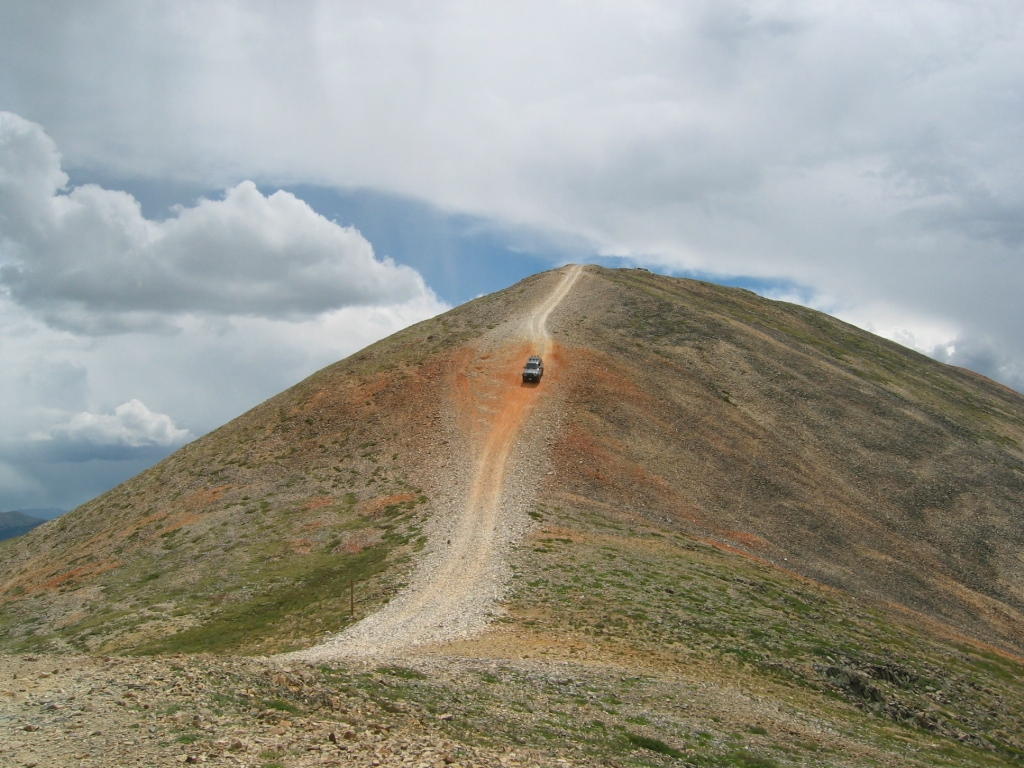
<point>456,588</point>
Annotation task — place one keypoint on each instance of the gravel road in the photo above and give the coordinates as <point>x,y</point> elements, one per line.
<point>457,586</point>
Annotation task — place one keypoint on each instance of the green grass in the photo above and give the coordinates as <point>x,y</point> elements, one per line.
<point>402,672</point>
<point>234,627</point>
<point>654,745</point>
<point>281,706</point>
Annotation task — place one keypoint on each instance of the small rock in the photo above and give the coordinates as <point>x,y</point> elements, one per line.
<point>30,728</point>
<point>446,716</point>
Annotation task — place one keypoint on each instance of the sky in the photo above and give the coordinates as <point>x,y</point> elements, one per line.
<point>201,203</point>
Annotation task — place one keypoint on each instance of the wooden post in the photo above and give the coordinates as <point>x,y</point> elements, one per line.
<point>352,599</point>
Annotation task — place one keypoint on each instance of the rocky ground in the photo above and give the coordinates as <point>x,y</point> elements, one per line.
<point>538,700</point>
<point>84,711</point>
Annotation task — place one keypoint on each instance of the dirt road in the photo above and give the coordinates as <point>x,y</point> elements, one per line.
<point>456,587</point>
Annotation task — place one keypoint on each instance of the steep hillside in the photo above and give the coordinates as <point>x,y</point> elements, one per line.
<point>798,439</point>
<point>723,529</point>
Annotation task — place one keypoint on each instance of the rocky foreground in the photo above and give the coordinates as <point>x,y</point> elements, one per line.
<point>82,711</point>
<point>551,707</point>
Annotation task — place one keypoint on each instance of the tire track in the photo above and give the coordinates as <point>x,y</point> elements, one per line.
<point>455,590</point>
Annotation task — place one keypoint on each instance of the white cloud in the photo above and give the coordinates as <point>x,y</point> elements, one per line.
<point>981,355</point>
<point>131,425</point>
<point>870,150</point>
<point>88,261</point>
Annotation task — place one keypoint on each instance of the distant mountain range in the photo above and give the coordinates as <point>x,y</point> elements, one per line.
<point>16,523</point>
<point>43,513</point>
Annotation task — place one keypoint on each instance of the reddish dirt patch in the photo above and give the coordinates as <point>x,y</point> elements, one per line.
<point>181,522</point>
<point>207,495</point>
<point>76,575</point>
<point>321,501</point>
<point>747,539</point>
<point>301,546</point>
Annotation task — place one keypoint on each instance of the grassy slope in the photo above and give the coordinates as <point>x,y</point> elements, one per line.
<point>737,661</point>
<point>801,440</point>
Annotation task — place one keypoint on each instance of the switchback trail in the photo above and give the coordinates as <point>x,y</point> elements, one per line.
<point>453,592</point>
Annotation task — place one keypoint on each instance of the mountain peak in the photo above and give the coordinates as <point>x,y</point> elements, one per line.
<point>759,426</point>
<point>706,491</point>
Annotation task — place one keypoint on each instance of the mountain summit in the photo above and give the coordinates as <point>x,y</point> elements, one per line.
<point>703,479</point>
<point>761,426</point>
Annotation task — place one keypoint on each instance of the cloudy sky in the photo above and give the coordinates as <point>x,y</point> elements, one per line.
<point>202,203</point>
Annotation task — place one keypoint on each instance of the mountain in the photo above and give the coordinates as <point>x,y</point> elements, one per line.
<point>16,523</point>
<point>46,513</point>
<point>716,514</point>
<point>803,441</point>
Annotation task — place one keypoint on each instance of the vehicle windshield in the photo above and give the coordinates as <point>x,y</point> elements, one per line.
<point>532,364</point>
